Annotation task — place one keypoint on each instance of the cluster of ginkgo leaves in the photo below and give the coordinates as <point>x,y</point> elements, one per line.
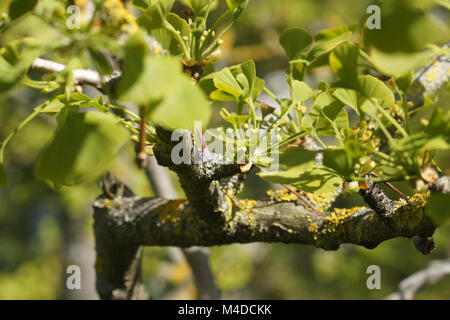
<point>167,64</point>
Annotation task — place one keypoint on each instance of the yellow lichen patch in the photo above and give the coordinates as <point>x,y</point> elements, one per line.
<point>337,218</point>
<point>312,227</point>
<point>116,9</point>
<point>321,201</point>
<point>110,204</point>
<point>281,196</point>
<point>432,75</point>
<point>105,203</point>
<point>246,205</point>
<point>417,201</point>
<point>172,212</point>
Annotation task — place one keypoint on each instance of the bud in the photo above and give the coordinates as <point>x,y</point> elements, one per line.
<point>424,122</point>
<point>368,165</point>
<point>303,109</point>
<point>215,56</point>
<point>352,186</point>
<point>421,185</point>
<point>220,42</point>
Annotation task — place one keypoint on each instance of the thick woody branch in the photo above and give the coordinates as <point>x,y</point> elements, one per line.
<point>158,222</point>
<point>375,197</point>
<point>203,182</point>
<point>118,262</point>
<point>197,257</point>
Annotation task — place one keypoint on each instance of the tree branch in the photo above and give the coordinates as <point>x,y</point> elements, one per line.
<point>197,257</point>
<point>80,76</point>
<point>280,218</point>
<point>410,286</point>
<point>118,262</point>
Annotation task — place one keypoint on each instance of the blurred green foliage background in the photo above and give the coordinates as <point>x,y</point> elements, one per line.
<point>43,231</point>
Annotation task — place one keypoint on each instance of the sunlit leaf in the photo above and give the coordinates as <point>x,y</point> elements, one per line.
<point>235,119</point>
<point>301,91</point>
<point>143,71</point>
<point>295,41</point>
<point>405,28</point>
<point>198,5</point>
<point>185,104</point>
<point>83,145</point>
<point>18,8</point>
<point>343,61</point>
<point>422,141</point>
<point>398,63</point>
<point>226,81</point>
<point>318,181</point>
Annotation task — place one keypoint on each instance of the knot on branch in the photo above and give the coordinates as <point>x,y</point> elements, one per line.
<point>203,178</point>
<point>377,200</point>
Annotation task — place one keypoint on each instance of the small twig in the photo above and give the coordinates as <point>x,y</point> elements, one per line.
<point>141,154</point>
<point>298,195</point>
<point>391,186</point>
<point>302,198</point>
<point>80,76</point>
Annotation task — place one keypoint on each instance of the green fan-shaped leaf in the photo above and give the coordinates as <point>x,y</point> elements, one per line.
<point>343,61</point>
<point>404,28</point>
<point>185,104</point>
<point>300,91</point>
<point>225,81</point>
<point>318,181</point>
<point>295,41</point>
<point>18,8</point>
<point>81,148</point>
<point>146,78</point>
